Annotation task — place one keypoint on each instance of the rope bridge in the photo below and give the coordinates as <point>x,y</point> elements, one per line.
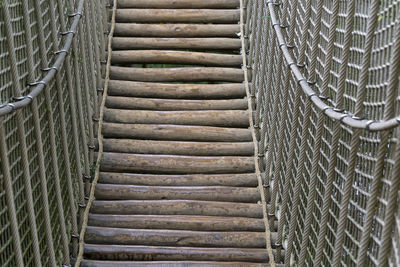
<point>199,133</point>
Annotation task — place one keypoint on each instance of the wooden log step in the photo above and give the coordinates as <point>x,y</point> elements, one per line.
<point>178,15</point>
<point>148,237</point>
<point>178,147</point>
<point>175,222</point>
<point>212,193</point>
<point>176,43</point>
<point>123,162</point>
<point>121,102</point>
<point>94,263</point>
<point>178,207</point>
<point>175,57</point>
<point>188,74</point>
<point>178,4</point>
<point>176,30</point>
<point>140,253</point>
<point>176,91</point>
<point>224,118</point>
<point>176,132</point>
<point>242,179</point>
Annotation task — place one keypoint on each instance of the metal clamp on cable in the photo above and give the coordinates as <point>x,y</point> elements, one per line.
<point>368,124</point>
<point>260,155</point>
<point>75,14</point>
<point>67,32</point>
<point>266,185</point>
<point>91,147</point>
<point>37,83</point>
<point>76,236</point>
<point>86,177</point>
<point>50,68</point>
<point>82,206</point>
<point>61,51</point>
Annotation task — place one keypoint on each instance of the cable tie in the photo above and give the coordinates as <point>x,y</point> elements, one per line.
<point>86,177</point>
<point>95,119</point>
<point>100,89</point>
<point>91,147</point>
<point>80,205</point>
<point>266,186</point>
<point>260,155</point>
<point>75,236</point>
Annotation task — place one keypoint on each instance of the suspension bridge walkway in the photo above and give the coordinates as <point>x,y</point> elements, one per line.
<point>177,183</point>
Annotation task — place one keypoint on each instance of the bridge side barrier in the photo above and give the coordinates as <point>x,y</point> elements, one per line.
<point>50,58</point>
<point>326,99</point>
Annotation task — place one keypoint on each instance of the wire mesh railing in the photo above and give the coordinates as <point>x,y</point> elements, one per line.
<point>326,98</point>
<point>50,80</point>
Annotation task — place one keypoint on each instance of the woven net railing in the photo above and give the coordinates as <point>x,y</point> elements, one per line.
<point>50,65</point>
<point>325,88</point>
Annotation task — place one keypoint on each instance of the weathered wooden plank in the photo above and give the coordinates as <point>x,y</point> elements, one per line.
<point>121,236</point>
<point>93,263</point>
<point>242,179</point>
<point>178,207</point>
<point>175,57</point>
<point>188,74</point>
<point>178,3</point>
<point>178,222</point>
<point>224,118</point>
<point>176,43</point>
<point>178,147</point>
<point>139,253</point>
<point>121,102</point>
<point>176,30</point>
<point>211,193</point>
<point>176,132</point>
<point>123,162</point>
<point>178,15</point>
<point>176,91</point>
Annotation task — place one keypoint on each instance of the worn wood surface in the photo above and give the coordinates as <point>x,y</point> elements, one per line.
<point>224,118</point>
<point>119,102</point>
<point>175,57</point>
<point>176,91</point>
<point>178,3</point>
<point>176,132</point>
<point>182,238</point>
<point>145,163</point>
<point>125,43</point>
<point>178,207</point>
<point>212,193</point>
<point>239,180</point>
<point>175,30</point>
<point>180,74</point>
<point>94,263</point>
<point>178,15</point>
<point>177,222</point>
<point>137,253</point>
<point>178,147</point>
<point>177,183</point>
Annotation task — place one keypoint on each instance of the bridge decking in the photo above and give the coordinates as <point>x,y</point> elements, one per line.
<point>177,185</point>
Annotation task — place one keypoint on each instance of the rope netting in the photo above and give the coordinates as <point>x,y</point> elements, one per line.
<point>50,56</point>
<point>326,95</point>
